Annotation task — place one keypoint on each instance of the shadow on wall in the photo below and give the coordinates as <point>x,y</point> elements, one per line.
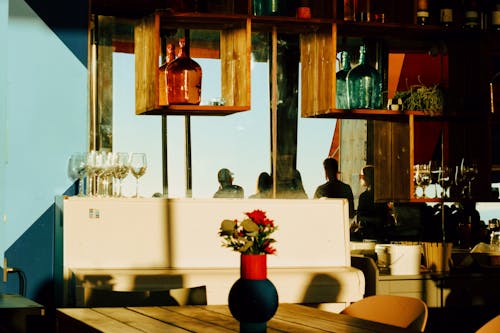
<point>33,255</point>
<point>322,289</point>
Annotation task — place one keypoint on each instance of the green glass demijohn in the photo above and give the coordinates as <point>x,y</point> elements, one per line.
<point>364,85</point>
<point>341,75</point>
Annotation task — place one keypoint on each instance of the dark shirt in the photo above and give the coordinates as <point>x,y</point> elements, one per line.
<point>371,215</point>
<point>229,191</point>
<point>336,189</point>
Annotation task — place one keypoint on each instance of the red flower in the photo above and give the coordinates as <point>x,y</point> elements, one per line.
<point>250,236</point>
<point>258,216</point>
<point>270,250</point>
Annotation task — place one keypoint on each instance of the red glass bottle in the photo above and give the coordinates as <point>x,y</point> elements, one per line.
<point>183,79</point>
<point>162,72</point>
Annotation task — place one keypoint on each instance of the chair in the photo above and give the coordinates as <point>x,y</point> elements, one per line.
<point>402,311</point>
<point>492,326</point>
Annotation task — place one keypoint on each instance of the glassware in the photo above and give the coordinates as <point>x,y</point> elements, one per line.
<point>162,72</point>
<point>444,180</point>
<point>76,170</point>
<point>121,168</point>
<point>423,12</point>
<point>362,10</point>
<point>184,78</point>
<point>349,10</point>
<point>446,13</point>
<point>364,85</point>
<point>98,168</point>
<point>471,15</point>
<point>107,172</point>
<point>90,170</point>
<point>495,15</point>
<point>138,165</point>
<point>341,93</point>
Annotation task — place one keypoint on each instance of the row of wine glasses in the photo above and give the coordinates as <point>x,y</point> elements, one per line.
<point>433,180</point>
<point>103,172</point>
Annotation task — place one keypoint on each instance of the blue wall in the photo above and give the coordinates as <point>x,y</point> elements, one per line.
<point>43,119</point>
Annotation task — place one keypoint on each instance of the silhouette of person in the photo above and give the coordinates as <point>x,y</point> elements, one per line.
<point>295,189</point>
<point>334,188</point>
<point>371,216</point>
<point>264,186</point>
<point>226,187</point>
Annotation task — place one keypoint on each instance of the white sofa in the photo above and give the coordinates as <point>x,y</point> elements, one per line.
<point>155,243</point>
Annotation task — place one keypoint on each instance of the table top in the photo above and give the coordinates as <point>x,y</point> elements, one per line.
<point>14,301</point>
<point>210,318</point>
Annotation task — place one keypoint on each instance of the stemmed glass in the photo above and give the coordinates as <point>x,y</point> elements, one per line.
<point>121,168</point>
<point>90,169</point>
<point>98,161</point>
<point>422,179</point>
<point>76,170</point>
<point>138,165</point>
<point>445,181</point>
<point>107,171</point>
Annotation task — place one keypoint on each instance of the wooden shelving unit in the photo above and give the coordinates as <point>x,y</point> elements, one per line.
<point>234,49</point>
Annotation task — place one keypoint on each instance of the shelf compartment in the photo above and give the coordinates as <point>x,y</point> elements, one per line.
<point>234,50</point>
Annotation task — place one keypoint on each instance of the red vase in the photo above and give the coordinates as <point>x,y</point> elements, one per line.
<point>253,266</point>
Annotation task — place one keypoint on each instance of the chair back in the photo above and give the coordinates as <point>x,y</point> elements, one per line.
<point>401,311</point>
<point>492,326</point>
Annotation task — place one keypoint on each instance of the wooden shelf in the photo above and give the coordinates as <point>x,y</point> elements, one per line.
<point>197,110</point>
<point>379,114</point>
<point>202,21</point>
<point>234,49</point>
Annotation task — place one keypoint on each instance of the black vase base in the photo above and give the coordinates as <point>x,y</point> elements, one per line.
<point>253,327</point>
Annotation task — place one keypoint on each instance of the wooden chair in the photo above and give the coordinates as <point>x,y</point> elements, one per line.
<point>492,326</point>
<point>402,311</point>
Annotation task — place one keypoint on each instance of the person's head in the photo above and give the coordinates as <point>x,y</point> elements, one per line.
<point>264,182</point>
<point>367,175</point>
<point>331,168</point>
<point>225,176</point>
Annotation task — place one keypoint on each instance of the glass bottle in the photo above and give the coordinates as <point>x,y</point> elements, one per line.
<point>183,78</point>
<point>364,85</point>
<point>471,15</point>
<point>341,75</point>
<point>495,15</point>
<point>446,13</point>
<point>423,12</point>
<point>304,9</point>
<point>162,72</point>
<point>348,10</point>
<point>362,10</point>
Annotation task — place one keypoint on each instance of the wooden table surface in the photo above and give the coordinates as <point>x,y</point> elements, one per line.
<point>209,318</point>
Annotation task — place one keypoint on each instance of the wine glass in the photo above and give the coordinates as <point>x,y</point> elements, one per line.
<point>445,181</point>
<point>107,172</point>
<point>98,161</point>
<point>138,165</point>
<point>121,168</point>
<point>90,169</point>
<point>76,170</point>
<point>425,178</point>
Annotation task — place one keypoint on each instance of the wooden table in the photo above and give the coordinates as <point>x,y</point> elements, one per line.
<point>209,318</point>
<point>19,314</point>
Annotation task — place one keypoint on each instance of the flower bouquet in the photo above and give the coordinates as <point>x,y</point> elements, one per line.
<point>251,235</point>
<point>253,298</point>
